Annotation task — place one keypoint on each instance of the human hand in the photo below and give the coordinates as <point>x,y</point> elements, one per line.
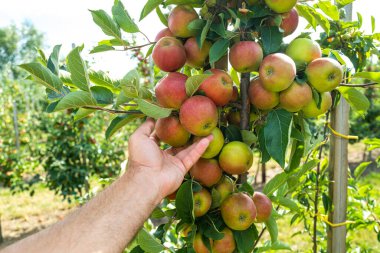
<point>164,169</point>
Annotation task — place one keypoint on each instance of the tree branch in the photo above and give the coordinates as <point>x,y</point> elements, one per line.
<point>136,47</point>
<point>112,111</point>
<point>363,85</point>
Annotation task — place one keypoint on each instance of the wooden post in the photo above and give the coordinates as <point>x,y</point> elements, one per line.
<point>338,170</point>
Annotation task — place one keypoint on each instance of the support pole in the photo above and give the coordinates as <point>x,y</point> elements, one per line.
<point>338,170</point>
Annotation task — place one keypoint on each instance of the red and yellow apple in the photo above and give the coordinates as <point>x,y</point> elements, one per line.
<point>281,6</point>
<point>303,51</point>
<point>198,244</point>
<point>226,244</point>
<point>311,110</point>
<point>263,206</point>
<point>235,94</point>
<point>163,33</point>
<point>196,57</point>
<point>170,131</point>
<point>206,171</point>
<point>225,187</point>
<point>294,98</point>
<point>179,19</point>
<point>218,87</point>
<point>246,56</point>
<point>171,90</point>
<point>324,74</point>
<point>215,145</point>
<point>236,158</point>
<point>289,22</point>
<point>169,54</point>
<point>202,202</point>
<point>260,97</point>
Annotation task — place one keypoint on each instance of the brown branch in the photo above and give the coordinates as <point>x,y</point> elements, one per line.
<point>363,85</point>
<point>112,111</point>
<point>146,37</point>
<point>136,47</point>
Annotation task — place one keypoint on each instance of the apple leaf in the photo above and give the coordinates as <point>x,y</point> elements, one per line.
<point>273,246</point>
<point>232,133</point>
<point>149,7</point>
<point>102,95</point>
<point>82,113</point>
<point>123,19</point>
<point>101,48</point>
<point>152,110</point>
<point>275,183</point>
<point>271,225</point>
<point>245,240</point>
<point>265,156</point>
<point>271,38</point>
<point>218,50</point>
<point>276,134</point>
<point>193,83</point>
<point>373,76</point>
<point>360,169</point>
<point>286,202</point>
<point>329,9</point>
<point>246,187</point>
<point>248,137</point>
<point>102,79</point>
<point>184,202</point>
<point>120,121</point>
<point>163,18</point>
<point>53,62</point>
<point>205,30</point>
<point>106,23</point>
<point>357,100</point>
<point>75,99</point>
<point>148,243</point>
<point>78,70</point>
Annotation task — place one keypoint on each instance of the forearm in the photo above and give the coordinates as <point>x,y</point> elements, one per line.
<point>105,224</point>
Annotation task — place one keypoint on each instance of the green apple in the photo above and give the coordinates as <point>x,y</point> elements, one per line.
<point>303,51</point>
<point>202,202</point>
<point>236,158</point>
<point>281,6</point>
<point>311,110</point>
<point>324,74</point>
<point>215,145</point>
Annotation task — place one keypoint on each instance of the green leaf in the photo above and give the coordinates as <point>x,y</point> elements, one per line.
<point>360,169</point>
<point>218,50</point>
<point>373,24</point>
<point>342,3</point>
<point>286,202</point>
<point>121,99</point>
<point>205,30</point>
<point>149,7</point>
<point>245,240</point>
<point>193,83</point>
<point>263,149</point>
<point>150,50</point>
<point>271,39</point>
<point>232,133</point>
<point>130,84</point>
<point>235,76</point>
<point>148,243</point>
<point>106,23</point>
<point>102,95</point>
<point>78,70</point>
<point>210,230</point>
<point>373,76</point>
<point>357,100</point>
<point>157,213</point>
<point>152,110</point>
<point>273,246</point>
<point>53,62</point>
<point>76,99</point>
<point>329,9</point>
<point>249,137</point>
<point>163,18</point>
<point>101,48</point>
<point>118,122</point>
<point>83,113</point>
<point>360,20</point>
<point>275,183</point>
<point>246,187</point>
<point>271,225</point>
<point>184,202</point>
<point>276,134</point>
<point>123,19</point>
<point>102,79</point>
<point>44,76</point>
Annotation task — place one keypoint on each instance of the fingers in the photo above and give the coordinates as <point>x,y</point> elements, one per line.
<point>174,151</point>
<point>154,137</point>
<point>191,154</point>
<point>146,128</point>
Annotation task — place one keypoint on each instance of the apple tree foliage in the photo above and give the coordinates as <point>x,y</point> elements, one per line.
<point>288,138</point>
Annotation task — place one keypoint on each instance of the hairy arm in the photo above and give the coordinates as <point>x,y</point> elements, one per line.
<point>109,222</point>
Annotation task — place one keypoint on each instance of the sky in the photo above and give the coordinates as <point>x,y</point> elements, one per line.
<point>69,21</point>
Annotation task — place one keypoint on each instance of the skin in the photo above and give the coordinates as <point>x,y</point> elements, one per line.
<point>246,56</point>
<point>171,90</point>
<point>163,33</point>
<point>107,223</point>
<point>170,131</point>
<point>218,87</point>
<point>311,110</point>
<point>277,72</point>
<point>303,51</point>
<point>225,187</point>
<point>216,144</point>
<point>263,206</point>
<point>178,20</point>
<point>294,98</point>
<point>202,202</point>
<point>236,158</point>
<point>324,74</point>
<point>206,171</point>
<point>196,57</point>
<point>199,115</point>
<point>281,6</point>
<point>261,98</point>
<point>226,244</point>
<point>169,54</point>
<point>238,211</point>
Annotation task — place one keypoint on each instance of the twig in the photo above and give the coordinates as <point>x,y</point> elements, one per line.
<point>136,47</point>
<point>358,85</point>
<point>146,37</point>
<point>112,111</point>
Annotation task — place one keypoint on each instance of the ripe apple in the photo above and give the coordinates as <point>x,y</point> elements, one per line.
<point>179,18</point>
<point>199,115</point>
<point>186,229</point>
<point>170,131</point>
<point>311,110</point>
<point>303,51</point>
<point>238,211</point>
<point>263,206</point>
<point>235,94</point>
<point>289,22</point>
<point>281,6</point>
<point>277,72</point>
<point>226,244</point>
<point>202,202</point>
<point>294,98</point>
<point>324,74</point>
<point>260,97</point>
<point>199,246</point>
<point>169,54</point>
<point>246,56</point>
<point>163,33</point>
<point>196,57</point>
<point>225,187</point>
<point>206,171</point>
<point>234,118</point>
<point>215,145</point>
<point>236,158</point>
<point>171,90</point>
<point>218,87</point>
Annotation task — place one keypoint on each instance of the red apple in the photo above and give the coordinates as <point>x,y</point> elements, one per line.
<point>311,110</point>
<point>235,94</point>
<point>281,6</point>
<point>218,87</point>
<point>171,90</point>
<point>170,131</point>
<point>263,206</point>
<point>324,74</point>
<point>238,211</point>
<point>277,72</point>
<point>294,98</point>
<point>163,33</point>
<point>199,115</point>
<point>169,54</point>
<point>246,56</point>
<point>180,17</point>
<point>289,22</point>
<point>303,51</point>
<point>202,202</point>
<point>236,158</point>
<point>199,246</point>
<point>260,97</point>
<point>206,171</point>
<point>196,57</point>
<point>226,244</point>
